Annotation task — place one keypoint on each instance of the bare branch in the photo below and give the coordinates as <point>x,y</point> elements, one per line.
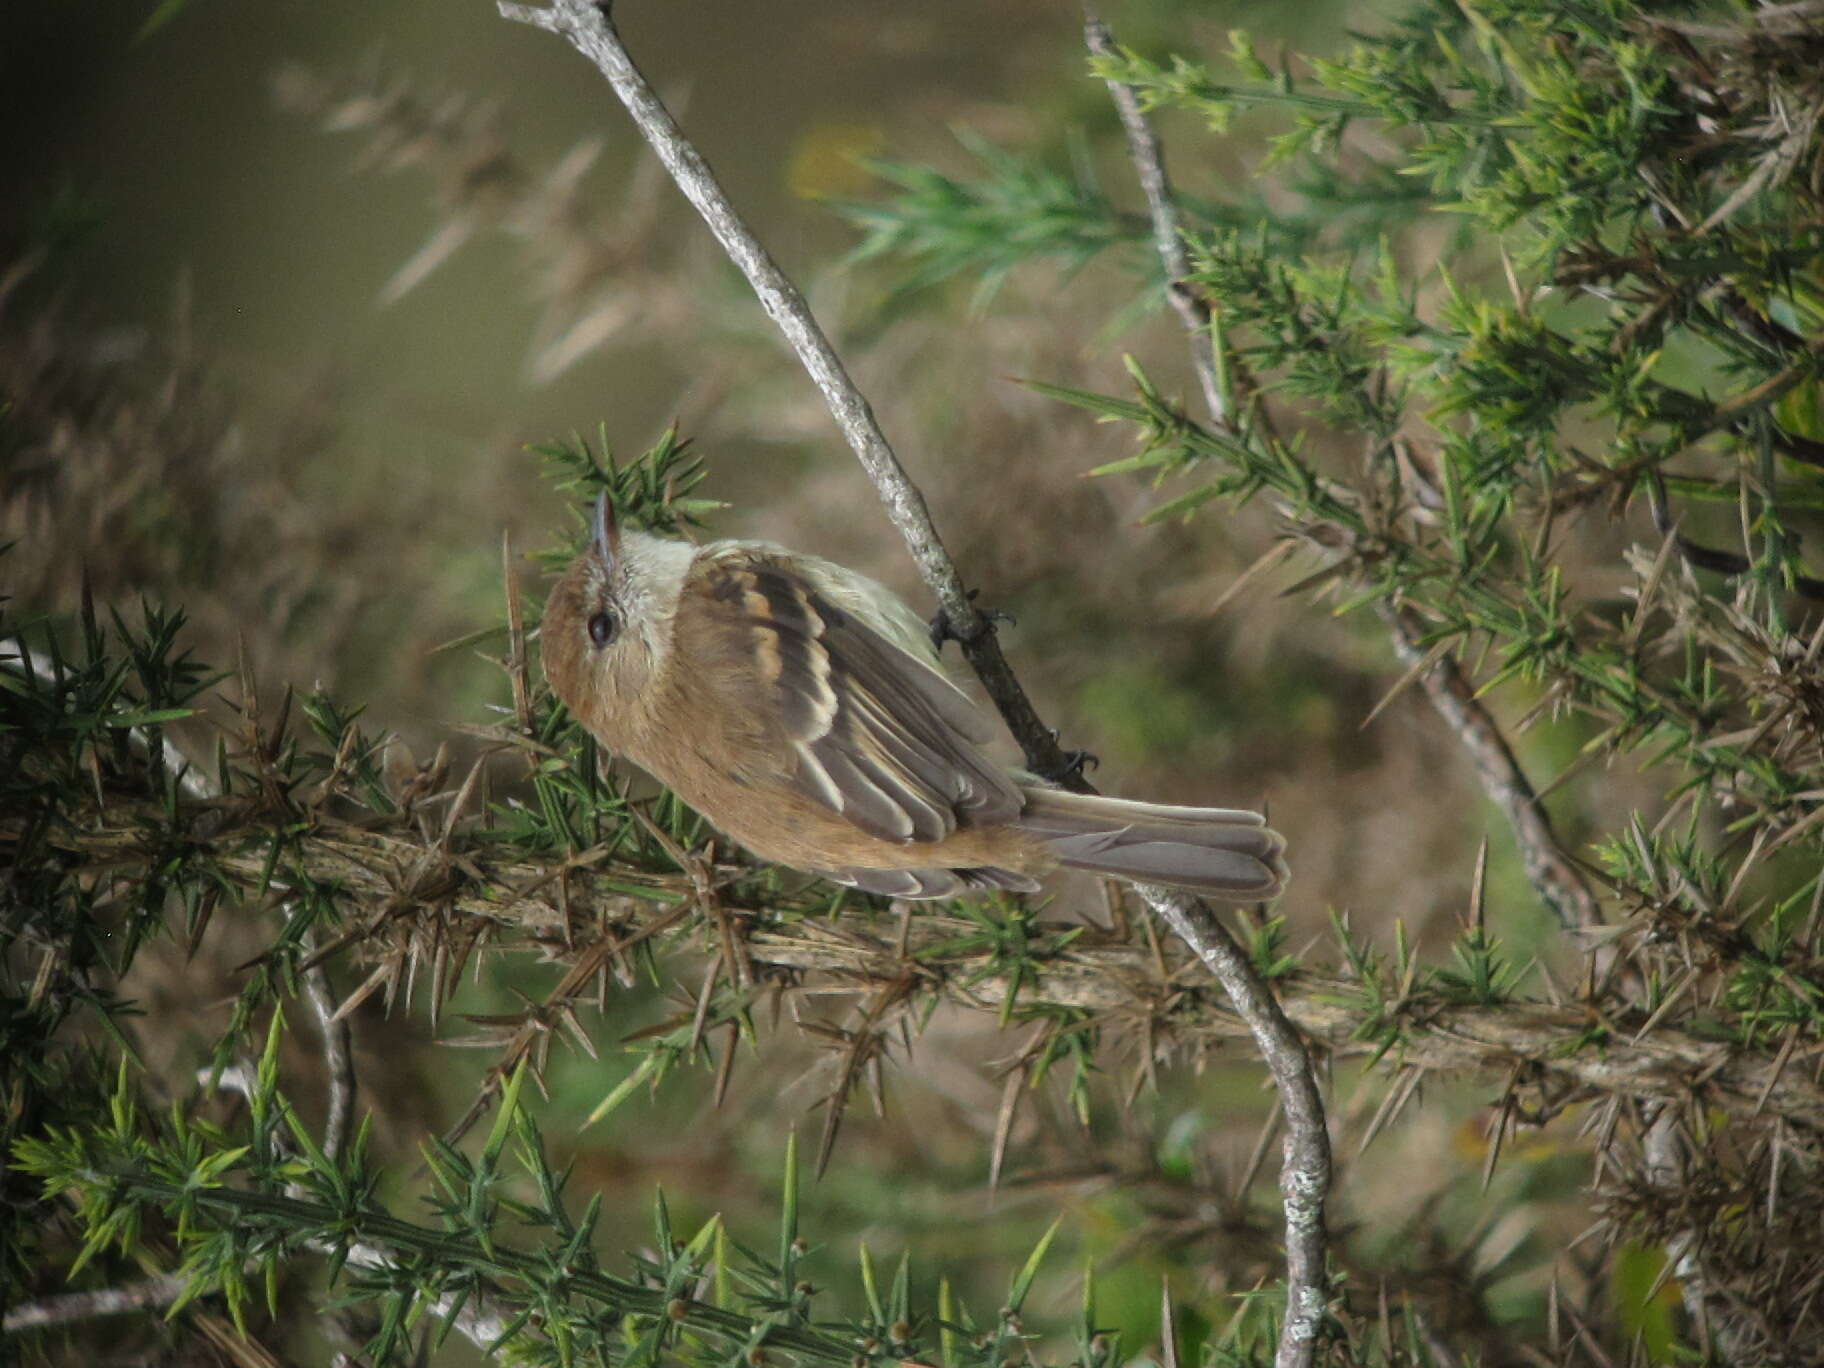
<point>548,19</point>
<point>338,1055</point>
<point>1168,237</point>
<point>1304,1175</point>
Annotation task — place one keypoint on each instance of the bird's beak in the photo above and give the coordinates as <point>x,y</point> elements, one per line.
<point>607,532</point>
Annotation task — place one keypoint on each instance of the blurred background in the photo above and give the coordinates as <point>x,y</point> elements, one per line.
<point>288,290</point>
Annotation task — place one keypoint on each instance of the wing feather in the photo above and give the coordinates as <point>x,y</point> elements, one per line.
<point>877,734</point>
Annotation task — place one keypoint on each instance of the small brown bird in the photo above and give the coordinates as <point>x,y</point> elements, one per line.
<point>799,707</point>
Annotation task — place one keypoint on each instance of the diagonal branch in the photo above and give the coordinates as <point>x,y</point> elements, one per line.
<point>588,28</point>
<point>1306,1173</point>
<point>1554,877</point>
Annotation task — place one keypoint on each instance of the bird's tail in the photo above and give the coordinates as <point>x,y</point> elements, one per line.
<point>1224,852</point>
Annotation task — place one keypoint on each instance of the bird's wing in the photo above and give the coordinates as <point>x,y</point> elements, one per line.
<point>874,733</point>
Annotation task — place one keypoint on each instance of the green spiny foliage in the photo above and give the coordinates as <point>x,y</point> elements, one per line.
<point>1565,385</point>
<point>233,1206</point>
<point>652,492</point>
<point>1018,210</point>
<point>62,712</point>
<point>502,1254</point>
<point>364,868</point>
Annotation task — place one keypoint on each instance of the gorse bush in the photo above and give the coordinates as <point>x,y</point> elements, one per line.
<point>1518,340</point>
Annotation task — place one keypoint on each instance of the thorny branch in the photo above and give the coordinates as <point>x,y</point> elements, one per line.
<point>1561,1049</point>
<point>1550,1045</point>
<point>1555,878</point>
<point>1306,1175</point>
<point>339,1068</point>
<point>1557,881</point>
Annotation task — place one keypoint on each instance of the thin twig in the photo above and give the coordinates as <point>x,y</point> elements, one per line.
<point>1168,237</point>
<point>338,1055</point>
<point>1305,1179</point>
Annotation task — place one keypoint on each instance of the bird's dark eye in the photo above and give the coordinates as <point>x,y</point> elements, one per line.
<point>603,628</point>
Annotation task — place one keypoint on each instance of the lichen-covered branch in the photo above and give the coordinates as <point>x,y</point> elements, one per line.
<point>1304,1175</point>
<point>1305,1167</point>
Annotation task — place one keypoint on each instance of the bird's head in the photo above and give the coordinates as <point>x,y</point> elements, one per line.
<point>607,633</point>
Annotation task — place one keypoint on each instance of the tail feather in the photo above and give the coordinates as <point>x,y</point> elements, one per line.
<point>1225,852</point>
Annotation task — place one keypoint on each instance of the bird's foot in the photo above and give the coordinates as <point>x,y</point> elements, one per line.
<point>942,631</point>
<point>1074,764</point>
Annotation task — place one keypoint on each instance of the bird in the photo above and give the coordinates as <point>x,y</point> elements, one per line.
<point>802,709</point>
